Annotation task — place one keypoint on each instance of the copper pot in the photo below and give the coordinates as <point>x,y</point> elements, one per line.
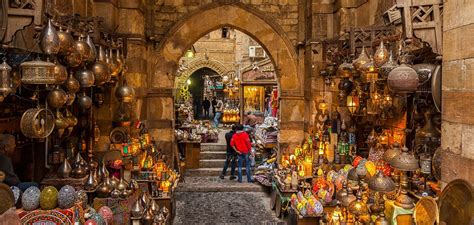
<point>66,42</point>
<point>60,73</point>
<point>403,79</point>
<point>101,72</point>
<point>83,48</point>
<point>85,77</point>
<point>49,39</point>
<point>57,98</point>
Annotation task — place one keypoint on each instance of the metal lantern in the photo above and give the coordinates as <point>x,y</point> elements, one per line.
<point>358,207</point>
<point>125,93</point>
<point>5,80</point>
<point>38,72</point>
<point>405,161</point>
<point>403,79</point>
<point>370,71</point>
<point>381,55</point>
<point>381,183</point>
<point>49,41</point>
<point>361,60</point>
<point>345,70</point>
<point>353,103</point>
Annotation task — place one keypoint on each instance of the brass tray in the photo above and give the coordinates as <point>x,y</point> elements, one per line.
<point>426,211</point>
<point>456,203</point>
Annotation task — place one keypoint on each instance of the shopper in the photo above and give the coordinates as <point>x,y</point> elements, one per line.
<point>214,103</point>
<point>241,144</point>
<point>231,156</point>
<point>250,119</point>
<point>206,104</point>
<point>219,108</point>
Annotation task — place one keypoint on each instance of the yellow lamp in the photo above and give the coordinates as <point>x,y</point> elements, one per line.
<point>323,106</point>
<point>352,103</point>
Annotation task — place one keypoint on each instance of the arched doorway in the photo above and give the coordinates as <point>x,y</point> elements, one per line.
<point>253,23</point>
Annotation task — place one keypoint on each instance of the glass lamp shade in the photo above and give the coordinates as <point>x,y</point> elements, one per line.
<point>370,71</point>
<point>353,103</point>
<point>5,80</point>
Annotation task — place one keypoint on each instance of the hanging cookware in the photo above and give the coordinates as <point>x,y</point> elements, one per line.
<point>424,71</point>
<point>37,72</point>
<point>403,79</point>
<point>37,123</point>
<point>57,98</point>
<point>49,39</point>
<point>124,93</point>
<point>83,48</point>
<point>381,55</point>
<point>60,73</point>
<point>84,101</point>
<point>61,123</point>
<point>93,51</point>
<point>85,77</point>
<point>5,80</point>
<point>66,42</point>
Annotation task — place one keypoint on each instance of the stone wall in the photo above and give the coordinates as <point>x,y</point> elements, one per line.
<point>167,13</point>
<point>458,91</point>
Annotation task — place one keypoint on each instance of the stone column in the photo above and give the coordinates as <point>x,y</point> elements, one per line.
<point>458,92</point>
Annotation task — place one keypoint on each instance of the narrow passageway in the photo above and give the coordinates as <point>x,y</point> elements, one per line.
<point>204,198</point>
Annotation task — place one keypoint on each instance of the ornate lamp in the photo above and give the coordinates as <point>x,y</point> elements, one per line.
<point>353,103</point>
<point>323,106</point>
<point>361,60</point>
<point>358,207</point>
<point>404,162</point>
<point>5,80</point>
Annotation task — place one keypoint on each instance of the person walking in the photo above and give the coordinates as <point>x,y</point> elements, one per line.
<point>206,104</point>
<point>231,156</point>
<point>241,143</point>
<point>219,109</point>
<point>213,104</point>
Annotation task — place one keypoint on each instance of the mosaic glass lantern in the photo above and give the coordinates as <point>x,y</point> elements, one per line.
<point>353,103</point>
<point>5,80</point>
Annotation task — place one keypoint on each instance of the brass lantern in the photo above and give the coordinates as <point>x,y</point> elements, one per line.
<point>353,103</point>
<point>361,60</point>
<point>5,80</point>
<point>381,55</point>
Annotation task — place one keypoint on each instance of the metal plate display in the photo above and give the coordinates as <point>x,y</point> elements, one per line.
<point>456,203</point>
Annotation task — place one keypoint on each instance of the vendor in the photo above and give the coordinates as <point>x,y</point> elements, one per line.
<point>250,119</point>
<point>7,146</point>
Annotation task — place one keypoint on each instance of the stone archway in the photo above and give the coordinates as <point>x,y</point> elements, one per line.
<point>255,24</point>
<point>196,64</point>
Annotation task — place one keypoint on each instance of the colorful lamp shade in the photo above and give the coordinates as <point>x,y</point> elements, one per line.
<point>353,103</point>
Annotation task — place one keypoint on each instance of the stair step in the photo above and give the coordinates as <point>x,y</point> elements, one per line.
<point>213,155</point>
<point>215,184</point>
<point>213,147</point>
<point>214,172</point>
<point>211,163</point>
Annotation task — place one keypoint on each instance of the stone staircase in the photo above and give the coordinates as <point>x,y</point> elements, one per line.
<point>206,178</point>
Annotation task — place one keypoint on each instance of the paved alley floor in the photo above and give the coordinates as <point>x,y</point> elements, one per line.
<point>224,208</point>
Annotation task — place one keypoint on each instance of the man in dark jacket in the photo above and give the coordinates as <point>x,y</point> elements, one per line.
<point>206,104</point>
<point>213,104</point>
<point>231,155</point>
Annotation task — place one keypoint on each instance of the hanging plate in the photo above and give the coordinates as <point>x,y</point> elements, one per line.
<point>436,87</point>
<point>426,211</point>
<point>456,203</point>
<point>118,136</point>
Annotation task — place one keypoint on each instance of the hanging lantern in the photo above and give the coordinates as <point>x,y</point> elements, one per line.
<point>361,60</point>
<point>323,106</point>
<point>403,79</point>
<point>353,103</point>
<point>49,40</point>
<point>370,71</point>
<point>345,70</point>
<point>381,55</point>
<point>125,93</point>
<point>5,80</point>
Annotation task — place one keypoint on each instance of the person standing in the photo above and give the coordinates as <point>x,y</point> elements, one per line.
<point>214,103</point>
<point>231,156</point>
<point>206,104</point>
<point>241,143</point>
<point>219,108</point>
<point>250,119</point>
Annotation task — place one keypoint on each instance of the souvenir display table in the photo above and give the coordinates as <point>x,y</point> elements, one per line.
<point>120,207</point>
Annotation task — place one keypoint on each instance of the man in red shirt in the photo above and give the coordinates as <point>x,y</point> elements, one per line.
<point>241,143</point>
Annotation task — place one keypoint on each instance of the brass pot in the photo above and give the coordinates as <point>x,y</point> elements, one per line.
<point>84,101</point>
<point>101,72</point>
<point>403,79</point>
<point>74,58</point>
<point>60,73</point>
<point>119,61</point>
<point>93,51</point>
<point>122,185</point>
<point>57,98</point>
<point>83,48</point>
<point>66,42</point>
<point>37,72</point>
<point>115,193</point>
<point>124,93</point>
<point>381,183</point>
<point>148,217</point>
<point>405,161</point>
<point>49,39</point>
<point>85,77</point>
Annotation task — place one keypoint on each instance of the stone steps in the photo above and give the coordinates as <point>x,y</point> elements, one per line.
<point>213,155</point>
<point>213,172</point>
<point>215,184</point>
<point>210,147</point>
